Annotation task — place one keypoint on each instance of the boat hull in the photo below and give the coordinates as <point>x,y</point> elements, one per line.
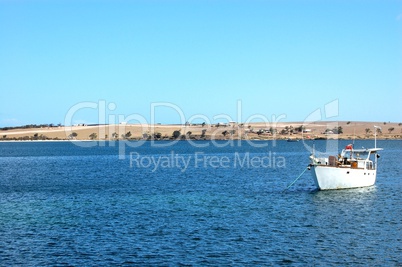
<point>328,178</point>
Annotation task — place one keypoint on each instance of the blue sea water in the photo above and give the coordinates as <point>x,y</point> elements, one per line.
<point>62,204</point>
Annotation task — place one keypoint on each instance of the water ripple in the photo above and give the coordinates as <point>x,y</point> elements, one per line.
<point>76,207</point>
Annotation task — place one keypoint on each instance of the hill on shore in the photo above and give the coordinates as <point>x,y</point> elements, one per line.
<point>263,131</point>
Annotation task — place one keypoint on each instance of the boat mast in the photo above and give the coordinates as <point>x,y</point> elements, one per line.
<point>375,144</point>
<point>313,149</point>
<point>375,135</point>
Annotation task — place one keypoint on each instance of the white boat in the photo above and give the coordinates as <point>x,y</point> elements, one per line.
<point>351,169</point>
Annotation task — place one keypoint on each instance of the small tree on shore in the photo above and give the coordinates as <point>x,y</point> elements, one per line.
<point>391,129</point>
<point>93,136</point>
<point>203,133</point>
<point>73,135</point>
<point>176,134</point>
<point>367,131</point>
<point>157,135</point>
<point>260,131</point>
<point>225,133</point>
<point>300,128</point>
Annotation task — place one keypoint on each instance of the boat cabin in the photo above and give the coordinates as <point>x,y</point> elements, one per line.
<point>358,158</point>
<point>351,158</point>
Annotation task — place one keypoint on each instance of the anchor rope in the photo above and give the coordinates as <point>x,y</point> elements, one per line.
<point>295,179</point>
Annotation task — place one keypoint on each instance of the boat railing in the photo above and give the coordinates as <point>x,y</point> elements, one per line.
<point>333,161</point>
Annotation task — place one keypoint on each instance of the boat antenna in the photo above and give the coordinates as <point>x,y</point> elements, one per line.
<point>354,135</point>
<point>313,147</point>
<point>375,135</point>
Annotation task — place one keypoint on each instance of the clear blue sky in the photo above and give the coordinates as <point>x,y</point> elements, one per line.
<point>276,57</point>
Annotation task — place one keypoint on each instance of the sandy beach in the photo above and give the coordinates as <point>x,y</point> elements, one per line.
<point>280,130</point>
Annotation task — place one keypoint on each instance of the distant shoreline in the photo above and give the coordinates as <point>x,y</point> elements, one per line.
<point>181,140</point>
<point>231,131</point>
